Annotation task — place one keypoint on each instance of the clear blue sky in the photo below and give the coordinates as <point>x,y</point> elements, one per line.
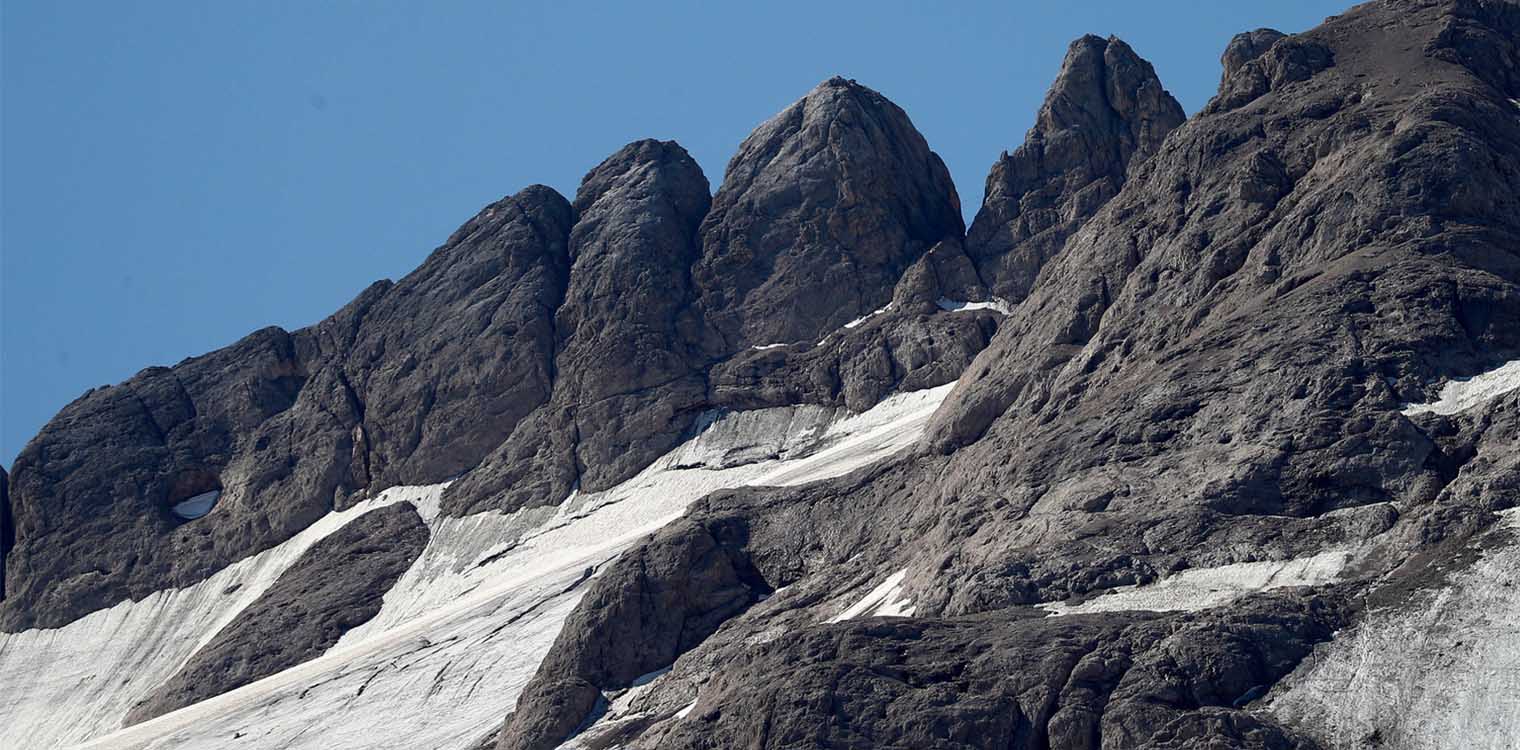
<point>177,174</point>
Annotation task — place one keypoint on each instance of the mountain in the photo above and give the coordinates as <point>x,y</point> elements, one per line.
<point>1205,434</point>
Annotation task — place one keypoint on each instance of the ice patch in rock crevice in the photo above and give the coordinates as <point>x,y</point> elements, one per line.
<point>456,639</point>
<point>764,347</point>
<point>1439,671</point>
<point>996,304</point>
<point>1461,394</point>
<point>196,506</point>
<point>1203,588</point>
<point>886,600</point>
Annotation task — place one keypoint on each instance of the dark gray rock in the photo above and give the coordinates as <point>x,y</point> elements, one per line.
<point>1009,680</point>
<point>641,614</point>
<point>336,585</point>
<point>820,213</point>
<point>7,531</point>
<point>410,383</point>
<point>1244,48</point>
<point>1213,369</point>
<point>447,361</point>
<point>1105,113</point>
<point>896,352</point>
<point>629,370</point>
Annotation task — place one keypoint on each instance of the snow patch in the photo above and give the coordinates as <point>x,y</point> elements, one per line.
<point>997,304</point>
<point>764,347</point>
<point>196,506</point>
<point>1442,671</point>
<point>1202,588</point>
<point>94,669</point>
<point>456,639</point>
<point>1461,394</point>
<point>886,600</point>
<point>868,316</point>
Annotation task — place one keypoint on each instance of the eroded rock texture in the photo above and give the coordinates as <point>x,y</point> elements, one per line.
<point>1105,112</point>
<point>7,533</point>
<point>335,586</point>
<point>820,213</point>
<point>410,383</point>
<point>630,375</point>
<point>546,347</point>
<point>1214,369</point>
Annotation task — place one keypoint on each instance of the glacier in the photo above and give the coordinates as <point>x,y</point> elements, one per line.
<point>457,637</point>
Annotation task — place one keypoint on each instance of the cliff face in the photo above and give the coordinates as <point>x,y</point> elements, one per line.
<point>1213,372</point>
<point>1106,111</point>
<point>821,211</point>
<point>1227,392</point>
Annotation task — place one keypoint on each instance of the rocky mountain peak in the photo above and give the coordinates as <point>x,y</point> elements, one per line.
<point>1245,47</point>
<point>822,209</point>
<point>1106,111</point>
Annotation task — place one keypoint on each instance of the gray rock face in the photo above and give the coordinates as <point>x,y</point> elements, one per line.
<point>1122,680</point>
<point>544,347</point>
<point>820,213</point>
<point>1244,48</point>
<point>335,586</point>
<point>1214,369</point>
<point>7,532</point>
<point>410,383</point>
<point>629,371</point>
<point>1105,112</point>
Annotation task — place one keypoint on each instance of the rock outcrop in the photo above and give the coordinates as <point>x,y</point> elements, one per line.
<point>820,213</point>
<point>410,383</point>
<point>1244,48</point>
<point>545,348</point>
<point>1106,112</point>
<point>1214,370</point>
<point>629,373</point>
<point>7,532</point>
<point>335,586</point>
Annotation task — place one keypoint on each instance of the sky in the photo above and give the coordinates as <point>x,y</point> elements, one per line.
<point>175,175</point>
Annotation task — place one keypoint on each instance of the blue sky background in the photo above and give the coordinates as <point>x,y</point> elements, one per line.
<point>178,174</point>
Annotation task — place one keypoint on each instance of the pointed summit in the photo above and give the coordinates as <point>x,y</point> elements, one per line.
<point>1105,112</point>
<point>823,208</point>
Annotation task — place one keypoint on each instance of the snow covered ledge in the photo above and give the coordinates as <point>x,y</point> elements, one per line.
<point>1461,394</point>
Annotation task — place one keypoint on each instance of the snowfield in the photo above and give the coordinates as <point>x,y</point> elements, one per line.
<point>1439,672</point>
<point>458,635</point>
<point>886,600</point>
<point>1461,394</point>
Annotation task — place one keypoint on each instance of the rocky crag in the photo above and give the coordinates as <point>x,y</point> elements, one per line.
<point>1231,390</point>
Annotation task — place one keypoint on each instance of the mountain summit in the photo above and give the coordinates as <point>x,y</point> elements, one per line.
<point>1206,434</point>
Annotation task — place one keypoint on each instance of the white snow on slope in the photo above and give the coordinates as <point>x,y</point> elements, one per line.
<point>764,347</point>
<point>94,669</point>
<point>456,639</point>
<point>1440,672</point>
<point>886,600</point>
<point>1202,588</point>
<point>997,304</point>
<point>868,316</point>
<point>1461,394</point>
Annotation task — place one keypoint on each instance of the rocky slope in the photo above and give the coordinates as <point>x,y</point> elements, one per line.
<point>1228,391</point>
<point>1260,325</point>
